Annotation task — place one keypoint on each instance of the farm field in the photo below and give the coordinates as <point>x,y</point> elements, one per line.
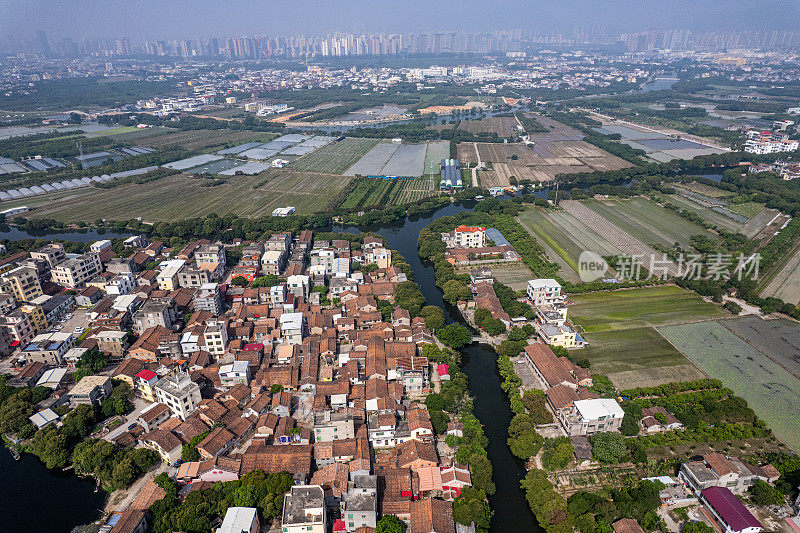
<point>619,238</point>
<point>180,196</point>
<point>335,158</point>
<point>433,157</point>
<point>771,392</point>
<point>709,215</point>
<point>648,306</point>
<point>515,276</point>
<point>155,131</point>
<point>561,248</point>
<point>416,189</point>
<point>786,282</point>
<point>373,192</point>
<point>623,341</point>
<point>777,339</point>
<point>113,131</point>
<point>202,139</point>
<point>637,357</point>
<point>373,161</point>
<point>649,222</point>
<point>505,127</point>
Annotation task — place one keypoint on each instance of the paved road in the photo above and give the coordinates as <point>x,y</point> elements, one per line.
<point>139,406</point>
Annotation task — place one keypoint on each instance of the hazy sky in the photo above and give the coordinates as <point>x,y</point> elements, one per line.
<point>165,19</point>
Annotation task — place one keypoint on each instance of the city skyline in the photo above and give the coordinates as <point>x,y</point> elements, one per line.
<point>179,19</point>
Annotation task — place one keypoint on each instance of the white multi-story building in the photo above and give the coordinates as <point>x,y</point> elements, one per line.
<point>304,510</point>
<point>754,146</point>
<point>469,236</point>
<point>121,284</point>
<point>292,328</point>
<point>75,272</point>
<point>179,393</point>
<point>215,337</point>
<point>544,291</point>
<point>234,374</point>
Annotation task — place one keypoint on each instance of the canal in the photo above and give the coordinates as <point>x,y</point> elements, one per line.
<point>38,499</point>
<point>42,500</point>
<point>511,511</point>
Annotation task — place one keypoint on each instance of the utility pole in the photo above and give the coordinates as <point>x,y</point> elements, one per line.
<point>80,151</point>
<point>556,192</point>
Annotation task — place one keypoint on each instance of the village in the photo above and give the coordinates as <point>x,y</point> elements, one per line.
<point>309,359</point>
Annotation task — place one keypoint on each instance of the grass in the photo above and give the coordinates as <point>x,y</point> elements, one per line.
<point>648,221</point>
<point>178,197</point>
<point>746,209</point>
<point>623,350</point>
<point>771,392</point>
<point>710,216</point>
<point>335,158</point>
<point>515,276</point>
<point>623,342</point>
<point>648,306</point>
<point>535,220</point>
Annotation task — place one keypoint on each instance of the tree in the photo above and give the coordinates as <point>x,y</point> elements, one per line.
<point>481,315</point>
<point>439,420</point>
<point>455,290</point>
<point>494,326</point>
<point>557,453</point>
<point>389,524</point>
<point>270,280</point>
<point>434,317</point>
<point>189,451</point>
<point>240,281</point>
<point>697,527</point>
<point>408,296</point>
<point>602,385</point>
<point>276,388</point>
<point>471,507</point>
<point>608,447</point>
<point>14,413</point>
<point>454,335</point>
<point>762,493</point>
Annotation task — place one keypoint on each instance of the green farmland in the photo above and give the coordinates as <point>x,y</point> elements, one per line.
<point>771,391</point>
<point>623,342</point>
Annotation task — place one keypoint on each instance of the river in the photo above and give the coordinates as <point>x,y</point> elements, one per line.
<point>84,235</point>
<point>69,501</point>
<point>38,499</point>
<point>511,511</point>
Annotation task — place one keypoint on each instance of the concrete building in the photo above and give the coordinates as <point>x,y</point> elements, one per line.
<point>360,503</point>
<point>272,262</point>
<point>167,279</point>
<point>587,417</point>
<point>240,520</point>
<point>330,426</point>
<point>90,390</point>
<point>292,328</point>
<point>469,236</point>
<point>544,291</point>
<point>121,284</point>
<point>192,276</point>
<point>179,393</point>
<point>209,298</point>
<point>75,272</point>
<point>234,374</point>
<point>53,253</point>
<point>48,348</point>
<point>22,283</point>
<point>210,253</point>
<point>215,337</point>
<point>304,510</point>
<point>155,313</point>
